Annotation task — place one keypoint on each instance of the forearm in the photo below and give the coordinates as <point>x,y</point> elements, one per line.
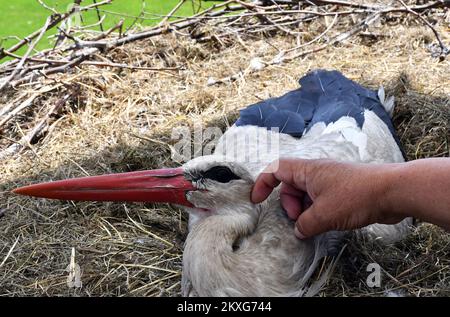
<point>420,189</point>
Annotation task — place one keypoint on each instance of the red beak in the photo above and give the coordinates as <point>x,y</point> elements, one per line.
<point>161,186</point>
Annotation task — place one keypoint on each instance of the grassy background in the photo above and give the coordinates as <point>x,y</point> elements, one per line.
<point>19,18</point>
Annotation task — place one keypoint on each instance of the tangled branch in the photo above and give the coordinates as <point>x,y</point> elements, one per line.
<point>227,18</point>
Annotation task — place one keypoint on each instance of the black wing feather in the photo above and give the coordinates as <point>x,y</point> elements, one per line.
<point>324,96</point>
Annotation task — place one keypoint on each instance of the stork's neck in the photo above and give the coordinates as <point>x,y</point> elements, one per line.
<point>209,257</point>
<point>268,260</point>
<point>217,234</point>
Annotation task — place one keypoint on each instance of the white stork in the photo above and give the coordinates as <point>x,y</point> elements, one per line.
<point>237,248</point>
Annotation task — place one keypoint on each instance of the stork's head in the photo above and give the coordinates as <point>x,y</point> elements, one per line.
<point>222,186</point>
<point>208,184</point>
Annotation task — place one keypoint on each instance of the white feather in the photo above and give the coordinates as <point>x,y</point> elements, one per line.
<point>387,104</point>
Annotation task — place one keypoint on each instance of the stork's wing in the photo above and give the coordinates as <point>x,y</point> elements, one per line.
<point>324,96</point>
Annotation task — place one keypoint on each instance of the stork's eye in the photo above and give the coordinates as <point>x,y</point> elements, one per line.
<point>221,174</point>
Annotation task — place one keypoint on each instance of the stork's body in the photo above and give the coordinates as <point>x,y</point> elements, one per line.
<point>236,248</point>
<point>268,260</point>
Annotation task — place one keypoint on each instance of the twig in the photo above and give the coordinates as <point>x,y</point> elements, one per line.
<point>314,39</point>
<point>56,19</point>
<point>283,15</point>
<point>98,16</point>
<point>172,12</point>
<point>9,114</point>
<point>9,252</point>
<point>24,58</point>
<point>104,64</point>
<point>18,109</point>
<point>54,70</point>
<point>423,7</point>
<point>39,128</point>
<point>139,17</point>
<point>47,7</point>
<point>280,59</point>
<point>444,50</point>
<point>107,33</point>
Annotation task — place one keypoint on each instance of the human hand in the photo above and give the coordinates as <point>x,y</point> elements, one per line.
<point>324,195</point>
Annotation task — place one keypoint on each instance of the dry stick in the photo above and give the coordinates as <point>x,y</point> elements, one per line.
<point>98,16</point>
<point>10,113</point>
<point>50,71</point>
<point>9,252</point>
<point>183,23</point>
<point>314,39</point>
<point>39,60</point>
<point>47,7</point>
<point>96,45</point>
<point>105,34</point>
<point>312,15</point>
<point>186,23</point>
<point>339,38</point>
<point>260,14</point>
<point>137,18</point>
<point>248,29</point>
<point>181,19</point>
<point>80,60</point>
<point>444,50</point>
<point>56,19</point>
<point>24,58</point>
<point>104,64</point>
<point>94,63</point>
<point>89,27</point>
<point>171,13</point>
<point>33,68</point>
<point>436,4</point>
<point>28,102</point>
<point>141,15</point>
<point>39,128</point>
<point>360,9</point>
<point>158,30</point>
<point>285,12</point>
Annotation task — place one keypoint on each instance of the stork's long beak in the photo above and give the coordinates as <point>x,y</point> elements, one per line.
<point>162,185</point>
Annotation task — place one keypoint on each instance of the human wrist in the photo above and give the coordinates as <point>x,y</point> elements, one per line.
<point>390,182</point>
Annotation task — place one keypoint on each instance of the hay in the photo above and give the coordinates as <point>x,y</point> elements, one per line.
<point>118,120</point>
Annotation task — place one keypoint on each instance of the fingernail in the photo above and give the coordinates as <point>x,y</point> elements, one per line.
<point>298,234</point>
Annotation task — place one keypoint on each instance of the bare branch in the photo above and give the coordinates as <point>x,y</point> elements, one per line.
<point>444,50</point>
<point>55,20</point>
<point>24,58</point>
<point>229,20</point>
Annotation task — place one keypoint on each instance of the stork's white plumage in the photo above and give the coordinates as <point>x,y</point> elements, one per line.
<point>237,248</point>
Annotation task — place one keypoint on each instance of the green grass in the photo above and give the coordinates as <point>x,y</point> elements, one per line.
<point>18,18</point>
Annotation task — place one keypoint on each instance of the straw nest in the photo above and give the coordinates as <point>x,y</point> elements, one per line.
<point>118,120</point>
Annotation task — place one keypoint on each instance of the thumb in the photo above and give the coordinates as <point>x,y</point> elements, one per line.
<point>311,223</point>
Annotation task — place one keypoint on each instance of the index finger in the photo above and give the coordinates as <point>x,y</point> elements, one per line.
<point>264,185</point>
<point>290,171</point>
